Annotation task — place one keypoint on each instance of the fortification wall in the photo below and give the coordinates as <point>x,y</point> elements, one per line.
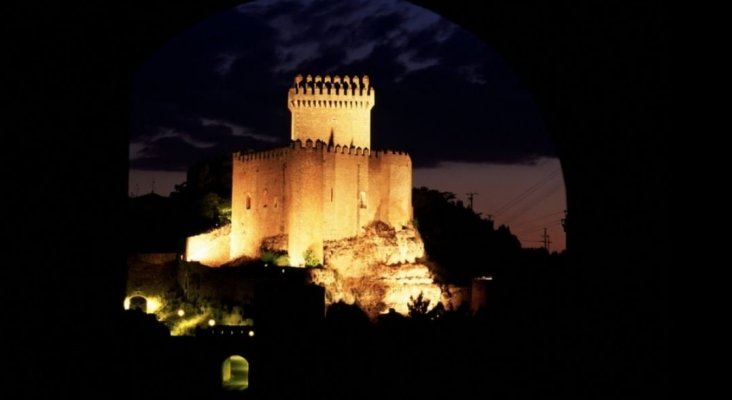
<point>350,170</point>
<point>391,178</point>
<point>152,276</point>
<point>204,285</point>
<point>210,248</point>
<point>313,192</point>
<point>396,178</point>
<point>325,107</point>
<point>146,275</point>
<point>305,207</point>
<point>259,199</point>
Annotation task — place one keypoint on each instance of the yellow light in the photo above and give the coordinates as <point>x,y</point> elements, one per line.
<point>251,333</point>
<point>153,304</point>
<point>181,313</point>
<point>211,322</point>
<point>187,325</point>
<point>235,373</point>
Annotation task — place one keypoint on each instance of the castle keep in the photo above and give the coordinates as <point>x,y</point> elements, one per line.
<point>327,185</point>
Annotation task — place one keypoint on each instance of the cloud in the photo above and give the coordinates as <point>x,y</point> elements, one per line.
<point>238,130</point>
<point>170,133</point>
<point>171,150</point>
<point>443,95</point>
<point>225,63</point>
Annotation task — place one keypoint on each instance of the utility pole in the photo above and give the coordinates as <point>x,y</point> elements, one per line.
<point>152,187</point>
<point>545,239</point>
<point>470,199</point>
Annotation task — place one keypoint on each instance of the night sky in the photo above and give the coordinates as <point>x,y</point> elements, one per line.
<point>441,94</point>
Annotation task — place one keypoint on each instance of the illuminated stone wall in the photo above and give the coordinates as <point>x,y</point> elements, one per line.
<point>210,248</point>
<point>327,185</point>
<point>332,107</point>
<point>258,200</point>
<point>312,192</point>
<point>390,173</point>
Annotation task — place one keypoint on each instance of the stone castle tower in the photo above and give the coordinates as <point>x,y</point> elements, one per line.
<point>332,110</point>
<point>327,185</point>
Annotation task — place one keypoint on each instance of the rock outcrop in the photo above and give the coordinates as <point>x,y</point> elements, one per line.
<point>377,270</point>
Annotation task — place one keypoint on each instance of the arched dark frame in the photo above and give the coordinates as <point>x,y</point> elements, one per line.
<point>599,75</point>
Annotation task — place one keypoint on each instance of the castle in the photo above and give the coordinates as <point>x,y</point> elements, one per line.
<point>325,200</point>
<point>327,185</point>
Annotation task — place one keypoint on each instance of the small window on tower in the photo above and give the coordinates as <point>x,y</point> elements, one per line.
<point>249,202</point>
<point>276,201</point>
<point>362,200</point>
<point>264,199</point>
<point>331,195</point>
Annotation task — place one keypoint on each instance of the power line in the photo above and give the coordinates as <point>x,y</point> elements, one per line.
<point>535,229</point>
<point>539,227</point>
<point>543,181</point>
<point>532,203</point>
<point>522,196</point>
<point>536,219</point>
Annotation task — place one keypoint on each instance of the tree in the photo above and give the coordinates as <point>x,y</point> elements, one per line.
<point>460,242</point>
<point>418,307</point>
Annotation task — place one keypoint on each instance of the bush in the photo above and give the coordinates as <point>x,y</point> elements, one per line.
<point>418,307</point>
<point>278,258</point>
<point>310,259</point>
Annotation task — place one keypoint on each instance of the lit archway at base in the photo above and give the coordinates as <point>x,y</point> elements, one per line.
<point>235,373</point>
<point>138,303</point>
<point>147,303</point>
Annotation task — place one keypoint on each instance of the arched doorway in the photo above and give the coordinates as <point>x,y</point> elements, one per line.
<point>235,373</point>
<point>138,303</point>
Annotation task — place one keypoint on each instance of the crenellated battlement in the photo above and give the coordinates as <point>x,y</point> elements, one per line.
<point>336,86</point>
<point>331,92</point>
<point>319,146</point>
<point>261,155</point>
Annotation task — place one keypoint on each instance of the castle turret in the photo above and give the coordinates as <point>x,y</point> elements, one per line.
<point>335,110</point>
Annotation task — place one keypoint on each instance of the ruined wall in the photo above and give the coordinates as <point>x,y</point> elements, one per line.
<point>209,286</point>
<point>210,248</point>
<point>325,106</point>
<point>480,292</point>
<point>152,276</point>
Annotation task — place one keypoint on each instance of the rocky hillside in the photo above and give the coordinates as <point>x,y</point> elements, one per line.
<point>377,270</point>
